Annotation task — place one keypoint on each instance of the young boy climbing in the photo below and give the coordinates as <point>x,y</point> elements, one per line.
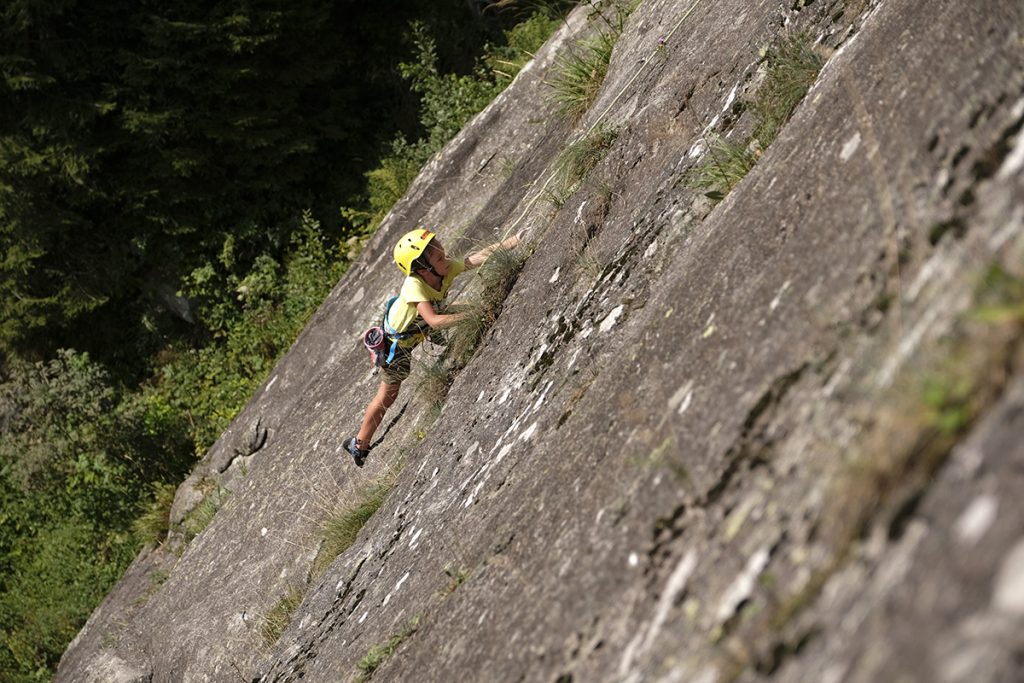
<point>429,275</point>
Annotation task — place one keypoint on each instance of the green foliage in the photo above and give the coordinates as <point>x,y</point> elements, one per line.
<point>496,276</point>
<point>447,101</point>
<point>378,654</point>
<point>577,160</point>
<point>152,525</point>
<point>792,69</point>
<point>254,317</point>
<point>579,73</point>
<point>1000,297</point>
<point>49,588</point>
<point>201,515</point>
<point>277,619</point>
<point>725,165</point>
<point>342,526</point>
<point>581,69</point>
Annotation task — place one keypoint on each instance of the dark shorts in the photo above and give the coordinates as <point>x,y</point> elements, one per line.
<point>398,370</point>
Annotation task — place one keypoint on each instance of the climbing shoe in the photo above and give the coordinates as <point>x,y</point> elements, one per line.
<point>351,444</point>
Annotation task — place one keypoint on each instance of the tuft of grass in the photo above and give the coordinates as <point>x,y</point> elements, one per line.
<point>579,73</point>
<point>276,620</point>
<point>342,526</point>
<point>378,654</point>
<point>723,168</point>
<point>792,69</point>
<point>153,524</point>
<point>579,158</point>
<point>434,384</point>
<point>496,277</point>
<point>456,577</point>
<point>202,514</point>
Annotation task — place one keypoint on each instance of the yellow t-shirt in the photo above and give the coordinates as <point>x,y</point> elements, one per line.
<point>403,313</point>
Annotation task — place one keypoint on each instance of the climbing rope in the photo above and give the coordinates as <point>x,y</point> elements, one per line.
<point>600,119</point>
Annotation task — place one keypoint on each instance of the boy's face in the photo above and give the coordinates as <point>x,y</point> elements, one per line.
<point>437,258</point>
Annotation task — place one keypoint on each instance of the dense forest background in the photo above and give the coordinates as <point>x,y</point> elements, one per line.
<point>181,184</point>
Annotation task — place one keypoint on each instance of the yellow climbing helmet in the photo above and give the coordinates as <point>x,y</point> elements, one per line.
<point>410,247</point>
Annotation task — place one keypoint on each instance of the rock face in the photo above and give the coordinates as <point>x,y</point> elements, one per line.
<point>780,437</point>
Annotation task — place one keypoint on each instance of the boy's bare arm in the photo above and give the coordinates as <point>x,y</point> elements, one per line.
<point>435,319</point>
<point>477,258</point>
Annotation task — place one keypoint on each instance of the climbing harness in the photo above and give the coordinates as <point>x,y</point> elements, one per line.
<point>382,340</point>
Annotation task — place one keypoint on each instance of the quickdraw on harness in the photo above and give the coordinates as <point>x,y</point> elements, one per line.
<point>376,339</point>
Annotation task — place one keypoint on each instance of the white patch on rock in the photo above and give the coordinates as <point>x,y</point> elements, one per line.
<point>1011,229</point>
<point>651,250</point>
<point>634,560</point>
<point>1009,590</point>
<point>504,396</point>
<point>673,588</point>
<point>976,519</point>
<point>529,432</point>
<point>402,580</point>
<point>579,212</point>
<point>554,278</point>
<point>778,297</point>
<point>387,599</point>
<point>505,450</point>
<point>731,98</point>
<point>271,382</point>
<point>1015,159</point>
<point>850,147</point>
<point>363,618</point>
<point>613,317</point>
<point>412,541</point>
<point>263,531</point>
<point>743,585</point>
<point>480,397</point>
<point>434,473</point>
<point>359,295</point>
<point>681,400</point>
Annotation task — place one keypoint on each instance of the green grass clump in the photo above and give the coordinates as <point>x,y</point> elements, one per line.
<point>277,619</point>
<point>579,73</point>
<point>496,276</point>
<point>723,168</point>
<point>792,69</point>
<point>201,515</point>
<point>341,528</point>
<point>153,524</point>
<point>578,159</point>
<point>378,654</point>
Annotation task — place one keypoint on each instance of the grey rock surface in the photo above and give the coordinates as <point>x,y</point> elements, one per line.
<point>697,444</point>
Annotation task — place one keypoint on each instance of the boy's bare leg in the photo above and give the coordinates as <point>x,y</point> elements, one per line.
<point>386,395</point>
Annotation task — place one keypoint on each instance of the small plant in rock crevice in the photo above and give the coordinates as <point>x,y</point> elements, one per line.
<point>378,654</point>
<point>154,522</point>
<point>580,71</point>
<point>792,69</point>
<point>342,526</point>
<point>725,165</point>
<point>276,620</point>
<point>201,515</point>
<point>578,159</point>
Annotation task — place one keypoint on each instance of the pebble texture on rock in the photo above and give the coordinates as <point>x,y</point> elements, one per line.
<point>702,453</point>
